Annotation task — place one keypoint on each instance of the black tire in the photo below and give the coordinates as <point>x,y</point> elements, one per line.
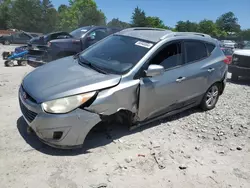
<point>9,63</point>
<point>210,98</point>
<point>22,63</point>
<point>234,77</point>
<point>6,42</point>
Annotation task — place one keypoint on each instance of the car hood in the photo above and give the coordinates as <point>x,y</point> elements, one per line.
<point>65,77</point>
<point>242,52</point>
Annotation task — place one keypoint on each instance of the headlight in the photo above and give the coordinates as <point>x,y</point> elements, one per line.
<point>66,104</point>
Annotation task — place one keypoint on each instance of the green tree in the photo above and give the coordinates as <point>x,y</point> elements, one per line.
<point>208,27</point>
<point>5,14</point>
<point>26,15</point>
<point>186,26</point>
<point>115,22</point>
<point>139,18</point>
<point>228,22</point>
<point>245,34</point>
<point>156,22</point>
<point>81,13</point>
<point>49,16</point>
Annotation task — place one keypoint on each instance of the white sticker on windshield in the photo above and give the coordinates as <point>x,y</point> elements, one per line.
<point>83,30</point>
<point>144,44</point>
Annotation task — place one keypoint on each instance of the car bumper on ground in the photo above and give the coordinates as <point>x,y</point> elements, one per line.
<point>241,71</point>
<point>64,131</point>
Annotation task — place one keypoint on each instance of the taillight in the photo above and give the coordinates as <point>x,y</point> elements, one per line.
<point>227,61</point>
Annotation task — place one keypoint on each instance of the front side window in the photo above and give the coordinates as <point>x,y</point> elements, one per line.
<point>78,33</point>
<point>116,54</point>
<point>24,36</point>
<point>98,34</point>
<point>195,51</point>
<point>169,57</point>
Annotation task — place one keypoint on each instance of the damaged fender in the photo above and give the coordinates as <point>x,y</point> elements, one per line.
<point>121,97</point>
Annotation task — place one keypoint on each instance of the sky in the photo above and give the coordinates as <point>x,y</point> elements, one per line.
<point>172,11</point>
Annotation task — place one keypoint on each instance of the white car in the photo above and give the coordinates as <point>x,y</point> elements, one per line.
<point>228,43</point>
<point>240,65</point>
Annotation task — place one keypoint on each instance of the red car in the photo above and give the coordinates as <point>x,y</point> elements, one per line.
<point>228,52</point>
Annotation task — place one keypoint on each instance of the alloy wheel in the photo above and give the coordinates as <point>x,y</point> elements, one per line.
<point>212,96</point>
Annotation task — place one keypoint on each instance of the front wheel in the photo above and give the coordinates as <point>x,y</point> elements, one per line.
<point>210,98</point>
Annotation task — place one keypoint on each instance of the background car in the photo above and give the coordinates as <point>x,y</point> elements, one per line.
<point>228,43</point>
<point>68,44</point>
<point>16,38</point>
<point>240,65</point>
<point>228,52</point>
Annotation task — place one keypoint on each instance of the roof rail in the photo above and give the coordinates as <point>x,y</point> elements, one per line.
<point>185,34</point>
<point>145,28</point>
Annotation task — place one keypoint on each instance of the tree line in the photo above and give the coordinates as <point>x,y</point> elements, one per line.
<point>41,16</point>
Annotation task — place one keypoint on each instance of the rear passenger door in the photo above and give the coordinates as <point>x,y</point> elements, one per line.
<point>195,70</point>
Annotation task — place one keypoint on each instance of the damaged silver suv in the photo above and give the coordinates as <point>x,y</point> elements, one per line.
<point>138,75</point>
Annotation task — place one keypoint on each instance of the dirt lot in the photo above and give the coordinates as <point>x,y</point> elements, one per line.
<point>193,149</point>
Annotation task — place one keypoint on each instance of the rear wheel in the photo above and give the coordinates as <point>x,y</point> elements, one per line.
<point>234,77</point>
<point>22,63</point>
<point>6,42</point>
<point>9,63</point>
<point>210,98</point>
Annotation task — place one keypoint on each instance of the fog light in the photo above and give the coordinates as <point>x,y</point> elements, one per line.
<point>57,135</point>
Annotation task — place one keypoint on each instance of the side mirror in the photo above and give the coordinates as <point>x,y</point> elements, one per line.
<point>154,70</point>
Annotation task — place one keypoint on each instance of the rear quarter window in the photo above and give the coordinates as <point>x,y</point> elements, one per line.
<point>210,47</point>
<point>195,51</point>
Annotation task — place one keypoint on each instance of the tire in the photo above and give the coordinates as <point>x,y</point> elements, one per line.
<point>9,63</point>
<point>6,42</point>
<point>210,98</point>
<point>234,77</point>
<point>22,63</point>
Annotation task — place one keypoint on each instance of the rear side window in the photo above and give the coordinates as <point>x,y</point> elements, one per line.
<point>195,51</point>
<point>210,47</point>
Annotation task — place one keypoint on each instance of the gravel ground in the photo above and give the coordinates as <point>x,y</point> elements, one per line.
<point>192,149</point>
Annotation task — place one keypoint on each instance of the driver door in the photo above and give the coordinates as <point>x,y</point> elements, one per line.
<point>160,94</point>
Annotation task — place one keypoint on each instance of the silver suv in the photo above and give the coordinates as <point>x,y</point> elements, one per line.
<point>136,75</point>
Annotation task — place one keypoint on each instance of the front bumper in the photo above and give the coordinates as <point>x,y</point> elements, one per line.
<point>241,71</point>
<point>73,127</point>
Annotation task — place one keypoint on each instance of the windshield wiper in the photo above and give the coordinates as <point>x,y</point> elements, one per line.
<point>85,62</point>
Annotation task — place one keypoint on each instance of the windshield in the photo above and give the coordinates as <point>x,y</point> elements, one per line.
<point>116,54</point>
<point>227,51</point>
<point>78,33</point>
<point>247,46</point>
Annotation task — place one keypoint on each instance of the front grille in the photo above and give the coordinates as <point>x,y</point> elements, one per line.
<point>28,96</point>
<point>29,115</point>
<point>242,61</point>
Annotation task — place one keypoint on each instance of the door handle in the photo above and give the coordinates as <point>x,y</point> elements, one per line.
<point>180,79</point>
<point>210,69</point>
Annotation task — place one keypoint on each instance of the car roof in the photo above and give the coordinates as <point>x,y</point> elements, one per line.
<point>157,34</point>
<point>144,33</point>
